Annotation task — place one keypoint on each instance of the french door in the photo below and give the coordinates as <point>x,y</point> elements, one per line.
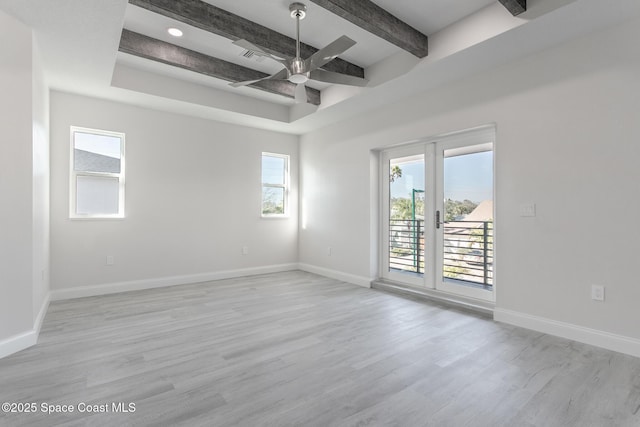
<point>438,216</point>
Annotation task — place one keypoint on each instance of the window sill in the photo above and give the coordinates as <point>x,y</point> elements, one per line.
<point>95,218</point>
<point>275,216</point>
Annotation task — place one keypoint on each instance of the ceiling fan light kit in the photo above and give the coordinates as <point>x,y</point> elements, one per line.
<point>297,70</point>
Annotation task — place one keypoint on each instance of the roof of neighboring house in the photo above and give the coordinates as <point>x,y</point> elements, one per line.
<point>482,212</point>
<point>94,162</point>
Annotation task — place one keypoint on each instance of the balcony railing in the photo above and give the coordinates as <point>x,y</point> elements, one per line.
<point>467,250</point>
<point>406,245</point>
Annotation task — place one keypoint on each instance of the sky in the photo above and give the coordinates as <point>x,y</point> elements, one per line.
<point>466,177</point>
<point>273,169</point>
<point>469,177</point>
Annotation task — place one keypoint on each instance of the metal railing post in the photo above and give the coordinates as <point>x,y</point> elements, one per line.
<point>485,251</point>
<point>417,248</point>
<point>413,242</point>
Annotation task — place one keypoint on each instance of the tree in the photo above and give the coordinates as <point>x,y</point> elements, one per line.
<point>454,209</point>
<point>272,201</point>
<point>401,208</point>
<point>396,173</point>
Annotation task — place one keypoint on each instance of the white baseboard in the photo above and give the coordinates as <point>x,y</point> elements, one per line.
<point>365,282</point>
<point>19,342</point>
<point>619,343</point>
<point>161,282</point>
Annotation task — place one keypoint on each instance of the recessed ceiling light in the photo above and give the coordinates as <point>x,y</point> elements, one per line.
<point>175,32</point>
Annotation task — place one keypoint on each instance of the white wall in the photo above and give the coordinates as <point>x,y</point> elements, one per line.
<point>15,178</point>
<point>40,138</point>
<point>567,139</point>
<point>193,200</point>
<point>24,246</point>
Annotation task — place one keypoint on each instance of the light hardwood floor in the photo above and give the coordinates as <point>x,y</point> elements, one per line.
<point>296,349</point>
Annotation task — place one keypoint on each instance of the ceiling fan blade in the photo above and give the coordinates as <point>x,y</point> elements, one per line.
<point>301,94</point>
<point>260,52</point>
<point>280,75</point>
<point>337,78</point>
<point>329,52</point>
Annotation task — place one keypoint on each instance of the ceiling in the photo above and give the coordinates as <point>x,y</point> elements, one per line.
<point>80,42</point>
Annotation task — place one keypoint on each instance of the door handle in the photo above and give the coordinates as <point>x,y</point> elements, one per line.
<point>438,223</point>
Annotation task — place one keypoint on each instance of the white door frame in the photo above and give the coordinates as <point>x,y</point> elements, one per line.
<point>474,140</point>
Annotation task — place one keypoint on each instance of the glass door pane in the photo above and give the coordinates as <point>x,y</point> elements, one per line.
<point>405,217</point>
<point>466,243</point>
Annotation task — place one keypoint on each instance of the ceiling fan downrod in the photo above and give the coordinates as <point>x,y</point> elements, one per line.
<point>298,72</point>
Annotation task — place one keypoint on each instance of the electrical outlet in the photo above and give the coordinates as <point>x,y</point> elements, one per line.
<point>110,260</point>
<point>245,250</point>
<point>528,209</point>
<point>597,293</point>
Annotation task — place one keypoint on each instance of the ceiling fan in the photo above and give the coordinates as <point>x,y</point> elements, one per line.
<point>298,70</point>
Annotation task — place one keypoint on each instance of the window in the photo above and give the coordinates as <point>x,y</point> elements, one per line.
<point>97,174</point>
<point>275,184</point>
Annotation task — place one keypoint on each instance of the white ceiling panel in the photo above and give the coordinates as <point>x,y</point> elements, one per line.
<point>431,16</point>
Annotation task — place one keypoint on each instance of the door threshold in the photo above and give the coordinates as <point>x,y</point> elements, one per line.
<point>470,304</point>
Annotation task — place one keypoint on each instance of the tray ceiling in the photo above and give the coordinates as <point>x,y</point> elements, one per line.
<point>82,47</point>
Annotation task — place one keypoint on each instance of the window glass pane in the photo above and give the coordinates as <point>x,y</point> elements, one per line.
<point>272,200</point>
<point>96,153</point>
<point>273,170</point>
<point>97,195</point>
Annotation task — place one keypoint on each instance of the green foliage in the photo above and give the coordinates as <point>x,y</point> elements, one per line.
<point>453,272</point>
<point>271,209</point>
<point>477,236</point>
<point>396,173</point>
<point>401,208</point>
<point>272,201</point>
<point>454,209</point>
<point>399,252</point>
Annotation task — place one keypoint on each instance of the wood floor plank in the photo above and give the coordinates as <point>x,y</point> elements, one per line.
<point>297,349</point>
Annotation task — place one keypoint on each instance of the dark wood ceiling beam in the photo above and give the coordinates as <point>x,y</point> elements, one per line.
<point>218,21</point>
<point>516,7</point>
<point>371,17</point>
<point>167,53</point>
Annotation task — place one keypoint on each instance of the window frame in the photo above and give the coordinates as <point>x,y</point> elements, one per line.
<point>73,175</point>
<point>284,187</point>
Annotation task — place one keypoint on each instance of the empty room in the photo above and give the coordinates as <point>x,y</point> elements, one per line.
<point>319,213</point>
